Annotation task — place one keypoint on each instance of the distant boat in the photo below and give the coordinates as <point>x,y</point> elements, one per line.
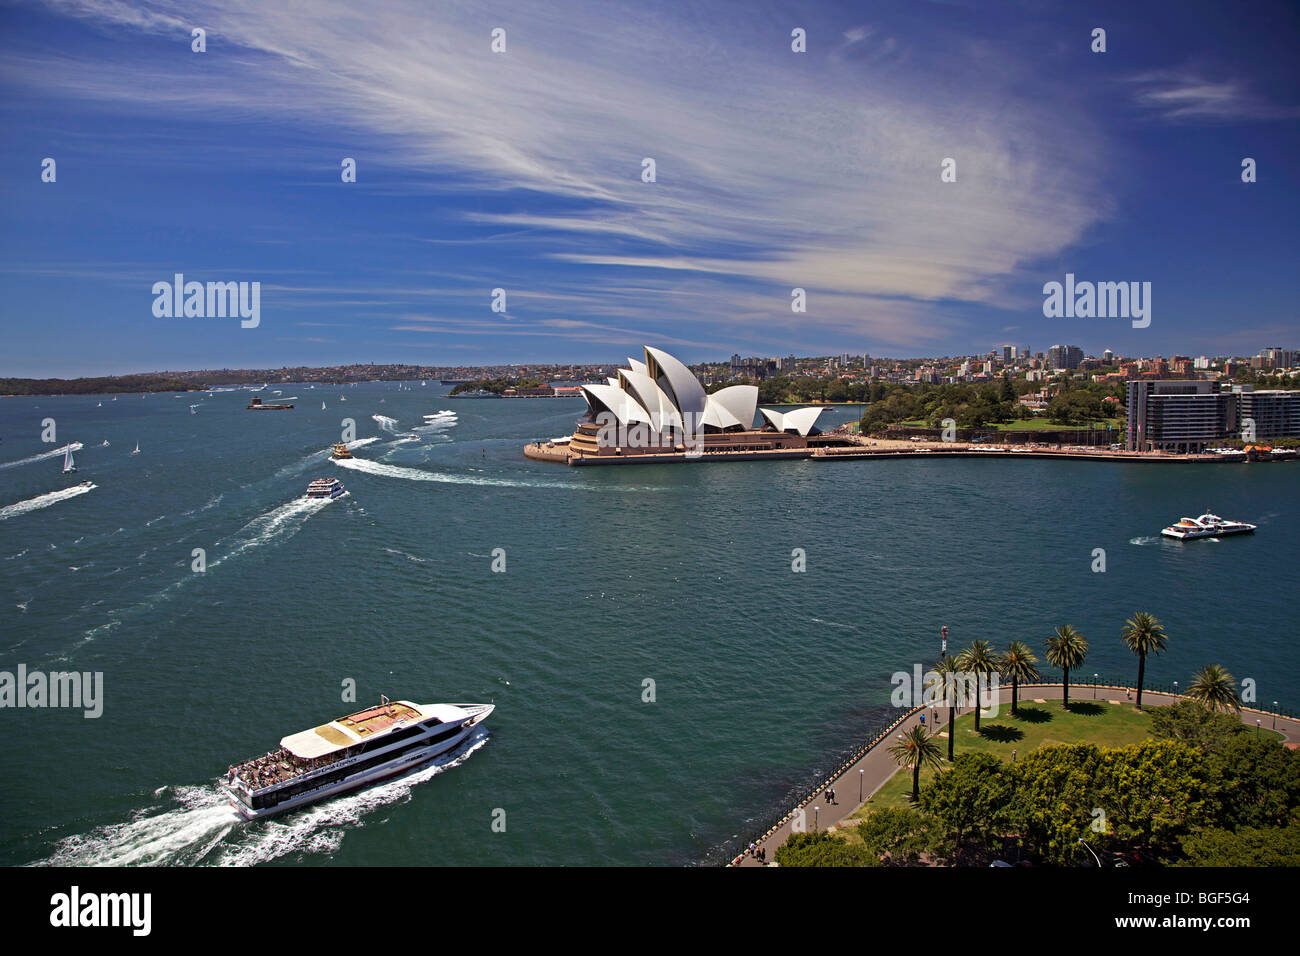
<point>342,399</point>
<point>100,405</point>
<point>194,409</point>
<point>69,466</point>
<point>137,449</point>
<point>322,406</point>
<point>104,443</point>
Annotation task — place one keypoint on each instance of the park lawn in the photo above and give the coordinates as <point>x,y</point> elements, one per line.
<point>1043,425</point>
<point>1038,725</point>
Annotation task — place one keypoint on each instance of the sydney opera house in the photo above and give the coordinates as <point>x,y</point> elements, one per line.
<point>657,410</point>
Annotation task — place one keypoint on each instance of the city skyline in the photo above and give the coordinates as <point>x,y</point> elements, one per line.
<point>523,170</point>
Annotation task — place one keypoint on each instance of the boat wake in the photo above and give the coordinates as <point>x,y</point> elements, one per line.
<point>386,423</point>
<point>1146,539</point>
<point>44,501</point>
<point>201,828</point>
<point>278,523</point>
<point>438,421</point>
<point>417,474</point>
<point>302,464</point>
<point>53,453</point>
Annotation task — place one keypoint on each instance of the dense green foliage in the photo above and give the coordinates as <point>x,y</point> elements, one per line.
<point>1204,791</point>
<point>495,385</point>
<point>95,386</point>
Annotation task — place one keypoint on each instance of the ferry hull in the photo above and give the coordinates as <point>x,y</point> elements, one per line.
<point>365,778</point>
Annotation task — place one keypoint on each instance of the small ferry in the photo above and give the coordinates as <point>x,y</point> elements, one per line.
<point>1206,526</point>
<point>350,752</point>
<point>326,488</point>
<point>341,451</point>
<point>258,405</point>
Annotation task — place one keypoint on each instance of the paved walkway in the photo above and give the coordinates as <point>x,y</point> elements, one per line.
<point>873,769</point>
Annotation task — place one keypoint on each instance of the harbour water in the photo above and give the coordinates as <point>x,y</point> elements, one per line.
<point>763,677</point>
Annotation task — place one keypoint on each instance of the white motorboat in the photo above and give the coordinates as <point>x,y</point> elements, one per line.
<point>1206,526</point>
<point>348,753</point>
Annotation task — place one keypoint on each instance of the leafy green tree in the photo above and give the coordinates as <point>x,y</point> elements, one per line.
<point>969,804</point>
<point>1215,688</point>
<point>1155,792</point>
<point>1143,634</point>
<point>897,835</point>
<point>978,659</point>
<point>916,749</point>
<point>1249,846</point>
<point>1192,723</point>
<point>1259,781</point>
<point>1054,799</point>
<point>823,849</point>
<point>1017,664</point>
<point>1066,649</point>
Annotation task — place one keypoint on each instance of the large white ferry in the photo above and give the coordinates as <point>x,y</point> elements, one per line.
<point>1206,526</point>
<point>351,752</point>
<point>326,487</point>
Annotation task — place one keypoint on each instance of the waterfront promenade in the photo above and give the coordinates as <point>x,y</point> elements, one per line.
<point>873,768</point>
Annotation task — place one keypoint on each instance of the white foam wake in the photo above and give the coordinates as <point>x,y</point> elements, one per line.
<point>386,423</point>
<point>417,474</point>
<point>438,421</point>
<point>278,523</point>
<point>53,453</point>
<point>201,827</point>
<point>43,501</point>
<point>305,462</point>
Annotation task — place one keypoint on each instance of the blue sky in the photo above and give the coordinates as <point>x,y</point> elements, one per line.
<point>522,171</point>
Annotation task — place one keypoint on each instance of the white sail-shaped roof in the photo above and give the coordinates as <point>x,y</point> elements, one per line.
<point>680,384</point>
<point>732,406</point>
<point>636,366</point>
<point>623,406</point>
<point>663,413</point>
<point>800,420</point>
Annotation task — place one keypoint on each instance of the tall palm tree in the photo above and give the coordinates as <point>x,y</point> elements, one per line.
<point>978,659</point>
<point>1018,664</point>
<point>1066,648</point>
<point>1144,634</point>
<point>1215,688</point>
<point>916,749</point>
<point>947,669</point>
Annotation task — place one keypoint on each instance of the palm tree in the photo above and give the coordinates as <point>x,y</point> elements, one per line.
<point>1215,688</point>
<point>1065,649</point>
<point>1144,634</point>
<point>1018,664</point>
<point>978,659</point>
<point>915,749</point>
<point>947,669</point>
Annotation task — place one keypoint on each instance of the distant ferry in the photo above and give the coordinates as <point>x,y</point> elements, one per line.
<point>326,488</point>
<point>340,451</point>
<point>348,753</point>
<point>258,405</point>
<point>477,393</point>
<point>1206,526</point>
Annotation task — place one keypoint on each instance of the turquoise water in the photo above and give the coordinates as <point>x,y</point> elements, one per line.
<point>676,574</point>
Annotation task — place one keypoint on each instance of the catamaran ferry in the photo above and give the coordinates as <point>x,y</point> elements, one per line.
<point>348,753</point>
<point>326,488</point>
<point>1206,526</point>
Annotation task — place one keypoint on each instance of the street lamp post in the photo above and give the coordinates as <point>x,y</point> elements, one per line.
<point>1094,854</point>
<point>1094,686</point>
<point>1275,715</point>
<point>861,774</point>
<point>817,815</point>
<point>1256,726</point>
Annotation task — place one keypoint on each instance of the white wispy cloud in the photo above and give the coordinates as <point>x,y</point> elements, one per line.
<point>775,169</point>
<point>1187,95</point>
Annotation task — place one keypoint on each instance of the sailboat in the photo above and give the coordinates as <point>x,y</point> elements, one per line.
<point>137,449</point>
<point>69,466</point>
<point>322,406</point>
<point>193,409</point>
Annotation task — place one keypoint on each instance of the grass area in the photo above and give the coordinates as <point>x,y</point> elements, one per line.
<point>1037,425</point>
<point>1037,725</point>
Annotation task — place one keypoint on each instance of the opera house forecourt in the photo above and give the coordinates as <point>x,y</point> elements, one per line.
<point>657,411</point>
